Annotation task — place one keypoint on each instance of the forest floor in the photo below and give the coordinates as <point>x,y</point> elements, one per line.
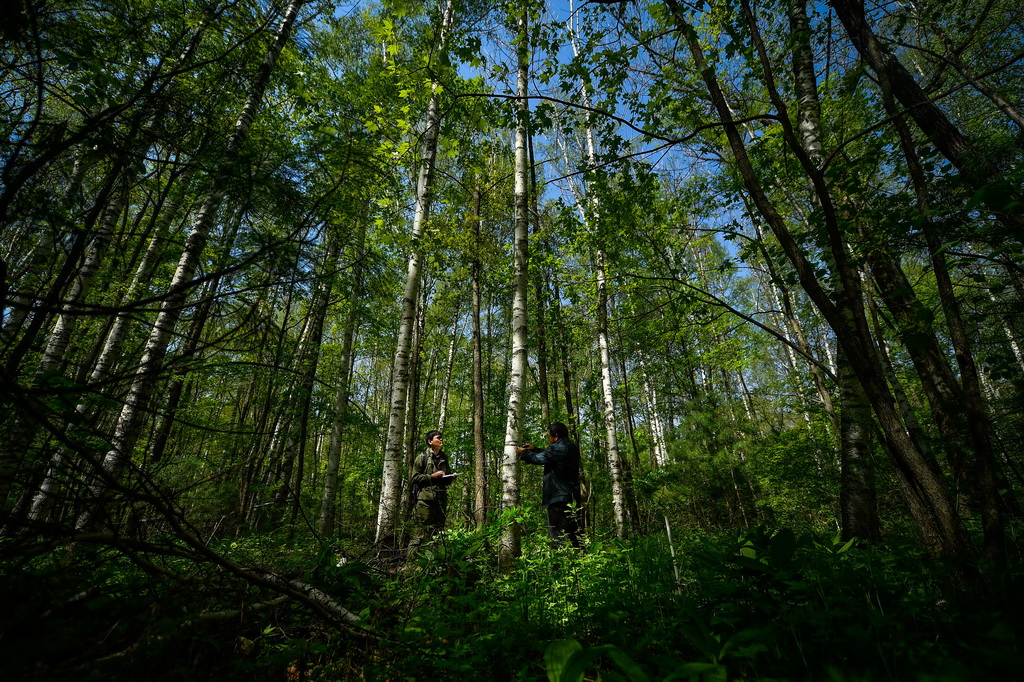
<point>761,604</point>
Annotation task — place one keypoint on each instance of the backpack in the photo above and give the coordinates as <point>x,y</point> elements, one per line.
<point>416,488</point>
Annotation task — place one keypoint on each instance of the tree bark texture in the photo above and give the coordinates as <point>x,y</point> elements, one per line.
<point>394,449</point>
<point>130,420</point>
<point>850,326</point>
<point>510,537</point>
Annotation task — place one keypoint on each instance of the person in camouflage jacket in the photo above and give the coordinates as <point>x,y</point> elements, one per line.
<point>430,488</point>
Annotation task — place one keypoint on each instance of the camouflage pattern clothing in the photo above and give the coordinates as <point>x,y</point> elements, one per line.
<point>428,514</point>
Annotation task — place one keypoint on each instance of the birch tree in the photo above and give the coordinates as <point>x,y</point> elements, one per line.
<point>510,537</point>
<point>130,420</point>
<point>388,511</point>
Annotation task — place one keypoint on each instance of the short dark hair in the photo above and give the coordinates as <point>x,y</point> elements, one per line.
<point>430,435</point>
<point>558,430</point>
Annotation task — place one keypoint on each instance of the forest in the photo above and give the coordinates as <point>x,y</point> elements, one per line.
<point>763,258</point>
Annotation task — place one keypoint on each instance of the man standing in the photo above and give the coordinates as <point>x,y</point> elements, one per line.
<point>561,461</point>
<point>430,480</point>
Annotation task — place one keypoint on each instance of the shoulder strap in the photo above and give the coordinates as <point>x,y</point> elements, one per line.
<point>422,469</point>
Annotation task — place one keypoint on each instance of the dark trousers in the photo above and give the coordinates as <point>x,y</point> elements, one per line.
<point>563,523</point>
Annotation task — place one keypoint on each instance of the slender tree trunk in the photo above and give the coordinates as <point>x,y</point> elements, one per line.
<point>130,421</point>
<point>25,426</point>
<point>306,362</point>
<point>858,497</point>
<point>328,505</point>
<point>857,491</point>
<point>413,443</point>
<point>784,300</point>
<point>617,467</point>
<point>974,167</point>
<point>39,258</point>
<point>620,504</point>
<point>188,354</point>
<point>563,347</point>
<point>542,341</point>
<point>479,454</point>
<point>391,488</point>
<point>978,424</point>
<point>143,273</point>
<point>510,537</point>
<point>851,327</point>
<point>1011,339</point>
<point>659,449</point>
<point>627,403</point>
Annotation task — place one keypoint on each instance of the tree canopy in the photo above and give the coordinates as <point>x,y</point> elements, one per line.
<point>764,259</point>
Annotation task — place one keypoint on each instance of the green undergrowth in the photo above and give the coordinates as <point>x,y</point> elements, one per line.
<point>762,604</point>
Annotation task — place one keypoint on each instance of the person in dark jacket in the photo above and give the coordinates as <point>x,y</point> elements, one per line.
<point>430,480</point>
<point>561,494</point>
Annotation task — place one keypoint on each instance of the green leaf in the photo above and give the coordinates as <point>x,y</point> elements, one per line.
<point>578,663</point>
<point>628,665</point>
<point>556,656</point>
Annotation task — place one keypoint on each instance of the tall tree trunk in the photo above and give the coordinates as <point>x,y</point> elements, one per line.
<point>785,302</point>
<point>850,327</point>
<point>19,302</point>
<point>659,448</point>
<point>391,487</point>
<point>972,400</point>
<point>328,505</point>
<point>510,537</point>
<point>858,496</point>
<point>627,403</point>
<point>130,420</point>
<point>616,467</point>
<point>412,437</point>
<point>306,362</point>
<point>21,411</point>
<point>567,384</point>
<point>538,290</point>
<point>143,273</point>
<point>857,491</point>
<point>25,425</point>
<point>479,454</point>
<point>187,357</point>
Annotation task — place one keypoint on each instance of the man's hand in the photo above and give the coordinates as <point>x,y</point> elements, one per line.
<point>437,474</point>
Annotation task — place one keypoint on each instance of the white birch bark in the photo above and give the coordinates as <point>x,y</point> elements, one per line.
<point>131,418</point>
<point>616,467</point>
<point>112,345</point>
<point>1014,346</point>
<point>24,429</point>
<point>510,537</point>
<point>39,259</point>
<point>615,463</point>
<point>64,326</point>
<point>391,485</point>
<point>659,447</point>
